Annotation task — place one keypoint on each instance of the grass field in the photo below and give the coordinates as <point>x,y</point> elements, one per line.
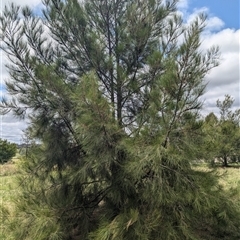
<point>8,189</point>
<point>8,172</point>
<point>229,178</point>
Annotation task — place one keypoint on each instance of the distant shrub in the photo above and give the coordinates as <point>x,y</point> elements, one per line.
<point>7,151</point>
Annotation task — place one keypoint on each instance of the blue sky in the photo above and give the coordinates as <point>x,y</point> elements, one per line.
<point>227,10</point>
<point>222,30</point>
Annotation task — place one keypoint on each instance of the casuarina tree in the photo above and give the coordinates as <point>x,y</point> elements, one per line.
<point>112,90</point>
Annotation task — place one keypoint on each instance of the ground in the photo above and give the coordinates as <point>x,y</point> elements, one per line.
<point>229,178</point>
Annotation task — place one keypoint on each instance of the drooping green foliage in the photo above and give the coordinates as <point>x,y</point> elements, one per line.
<point>112,91</point>
<point>7,151</point>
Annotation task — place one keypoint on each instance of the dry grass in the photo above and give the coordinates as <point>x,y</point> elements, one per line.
<point>8,169</point>
<point>230,181</point>
<point>8,189</point>
<point>229,177</point>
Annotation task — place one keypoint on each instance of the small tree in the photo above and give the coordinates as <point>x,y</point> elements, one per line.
<point>211,136</point>
<point>228,131</point>
<point>7,150</point>
<point>222,136</point>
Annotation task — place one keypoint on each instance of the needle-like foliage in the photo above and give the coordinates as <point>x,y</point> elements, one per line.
<point>112,90</point>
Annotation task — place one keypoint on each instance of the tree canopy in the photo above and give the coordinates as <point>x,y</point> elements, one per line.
<point>112,90</point>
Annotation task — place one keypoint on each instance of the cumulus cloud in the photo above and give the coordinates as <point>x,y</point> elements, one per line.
<point>227,39</point>
<point>223,79</point>
<point>12,128</point>
<point>182,5</point>
<point>213,23</point>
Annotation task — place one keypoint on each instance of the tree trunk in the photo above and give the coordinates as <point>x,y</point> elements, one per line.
<point>225,163</point>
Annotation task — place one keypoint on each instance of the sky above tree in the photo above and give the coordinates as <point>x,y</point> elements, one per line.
<point>222,30</point>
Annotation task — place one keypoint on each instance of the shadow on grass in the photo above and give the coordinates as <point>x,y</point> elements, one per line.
<point>231,165</point>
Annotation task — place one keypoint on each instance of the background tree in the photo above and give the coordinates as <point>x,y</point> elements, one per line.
<point>211,138</point>
<point>222,136</point>
<point>112,91</point>
<point>7,150</point>
<point>229,131</point>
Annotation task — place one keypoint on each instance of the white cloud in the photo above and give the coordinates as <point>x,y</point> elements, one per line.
<point>192,16</point>
<point>214,24</point>
<point>225,79</point>
<point>182,4</point>
<point>227,39</point>
<point>12,128</point>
